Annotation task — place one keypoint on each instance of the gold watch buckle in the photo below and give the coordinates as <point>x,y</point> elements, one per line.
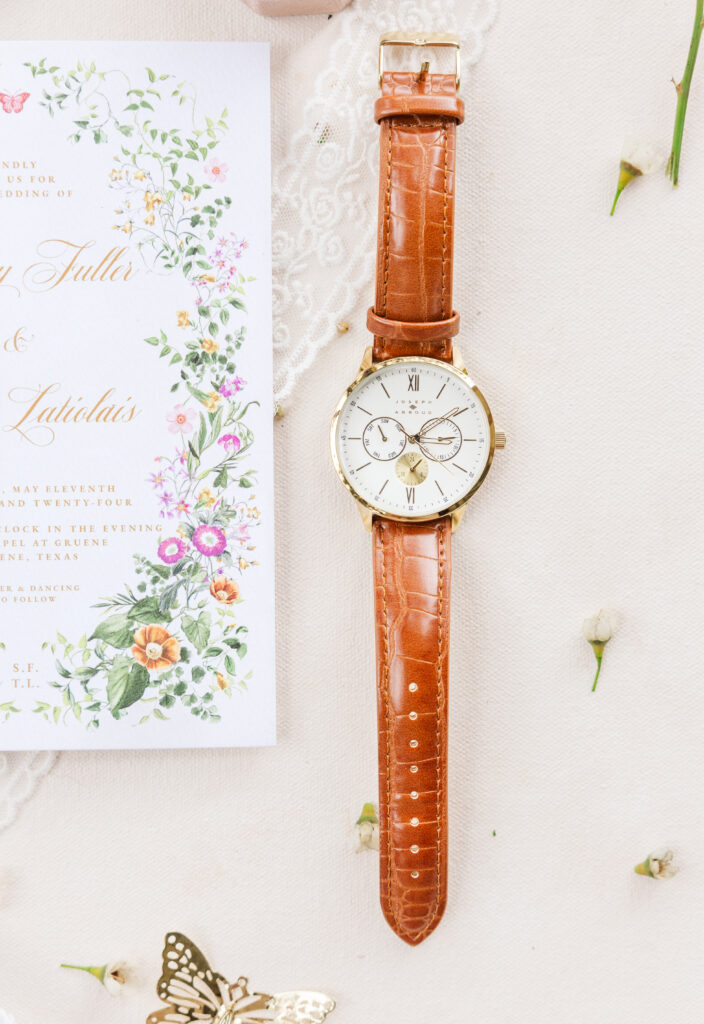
<point>419,41</point>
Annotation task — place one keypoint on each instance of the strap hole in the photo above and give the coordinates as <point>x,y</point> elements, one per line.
<point>415,849</point>
<point>413,687</point>
<point>415,822</point>
<point>414,795</point>
<point>413,715</point>
<point>415,874</point>
<point>413,743</point>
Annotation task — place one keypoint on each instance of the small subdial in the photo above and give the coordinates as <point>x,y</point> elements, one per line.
<point>442,441</point>
<point>384,438</point>
<point>412,469</point>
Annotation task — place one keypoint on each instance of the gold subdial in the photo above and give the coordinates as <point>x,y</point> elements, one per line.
<point>412,469</point>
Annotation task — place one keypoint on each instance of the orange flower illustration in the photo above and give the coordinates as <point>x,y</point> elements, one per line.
<point>222,681</point>
<point>139,175</point>
<point>183,318</point>
<point>207,497</point>
<point>208,345</point>
<point>155,648</point>
<point>152,199</point>
<point>224,590</point>
<point>211,402</point>
<point>149,220</point>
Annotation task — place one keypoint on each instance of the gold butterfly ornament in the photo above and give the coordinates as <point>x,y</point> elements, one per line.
<point>196,994</point>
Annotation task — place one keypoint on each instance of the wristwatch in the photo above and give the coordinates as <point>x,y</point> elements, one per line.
<point>412,439</point>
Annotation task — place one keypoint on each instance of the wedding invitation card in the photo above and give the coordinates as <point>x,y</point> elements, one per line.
<point>136,495</point>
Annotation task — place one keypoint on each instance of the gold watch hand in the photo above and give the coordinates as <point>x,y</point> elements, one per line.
<point>383,438</point>
<point>431,424</point>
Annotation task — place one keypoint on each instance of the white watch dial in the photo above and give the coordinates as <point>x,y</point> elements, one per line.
<point>413,438</point>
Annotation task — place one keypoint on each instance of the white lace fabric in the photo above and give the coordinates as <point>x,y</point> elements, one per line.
<point>324,207</point>
<point>325,180</point>
<point>19,775</point>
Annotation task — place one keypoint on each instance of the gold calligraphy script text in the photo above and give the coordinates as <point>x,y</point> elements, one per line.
<point>63,262</point>
<point>44,410</point>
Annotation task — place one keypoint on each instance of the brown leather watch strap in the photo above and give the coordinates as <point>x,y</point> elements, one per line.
<point>418,120</point>
<point>412,589</point>
<point>413,315</point>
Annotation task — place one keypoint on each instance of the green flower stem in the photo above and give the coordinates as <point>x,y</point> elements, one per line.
<point>598,648</point>
<point>598,670</point>
<point>97,972</point>
<point>673,164</point>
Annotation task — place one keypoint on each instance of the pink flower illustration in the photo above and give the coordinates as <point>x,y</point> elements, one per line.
<point>232,387</point>
<point>172,550</point>
<point>209,540</point>
<point>215,170</point>
<point>230,442</point>
<point>181,419</point>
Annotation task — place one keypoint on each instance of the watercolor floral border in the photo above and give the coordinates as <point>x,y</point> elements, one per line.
<point>171,637</point>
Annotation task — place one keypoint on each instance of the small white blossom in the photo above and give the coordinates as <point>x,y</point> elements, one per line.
<point>637,158</point>
<point>366,830</point>
<point>658,865</point>
<point>599,628</point>
<point>112,976</point>
<point>643,157</point>
<point>117,974</point>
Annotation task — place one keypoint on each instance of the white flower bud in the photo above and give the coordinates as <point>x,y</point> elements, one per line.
<point>658,865</point>
<point>599,628</point>
<point>643,157</point>
<point>366,830</point>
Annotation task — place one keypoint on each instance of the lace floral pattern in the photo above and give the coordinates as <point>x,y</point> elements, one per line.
<point>325,190</point>
<point>19,775</point>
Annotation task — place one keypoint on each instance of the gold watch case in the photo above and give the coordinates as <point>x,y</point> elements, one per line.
<point>367,368</point>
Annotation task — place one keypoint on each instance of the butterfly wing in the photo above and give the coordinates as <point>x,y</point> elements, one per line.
<point>301,1007</point>
<point>168,1016</point>
<point>245,1007</point>
<point>188,985</point>
<point>6,102</point>
<point>18,101</point>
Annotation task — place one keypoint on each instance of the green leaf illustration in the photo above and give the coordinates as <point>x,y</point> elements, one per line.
<point>116,630</point>
<point>127,682</point>
<point>197,630</point>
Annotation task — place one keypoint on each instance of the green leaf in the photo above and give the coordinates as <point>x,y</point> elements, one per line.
<point>197,673</point>
<point>116,630</point>
<point>152,76</point>
<point>127,682</point>
<point>148,612</point>
<point>197,630</point>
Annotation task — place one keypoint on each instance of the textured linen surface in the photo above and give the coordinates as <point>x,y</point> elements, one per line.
<point>585,334</point>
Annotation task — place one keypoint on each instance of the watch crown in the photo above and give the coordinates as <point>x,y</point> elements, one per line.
<point>499,439</point>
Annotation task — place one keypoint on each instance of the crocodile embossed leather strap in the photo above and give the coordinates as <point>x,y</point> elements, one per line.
<point>412,590</point>
<point>413,315</point>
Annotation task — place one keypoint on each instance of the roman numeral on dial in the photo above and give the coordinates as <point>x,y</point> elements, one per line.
<point>411,495</point>
<point>414,382</point>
